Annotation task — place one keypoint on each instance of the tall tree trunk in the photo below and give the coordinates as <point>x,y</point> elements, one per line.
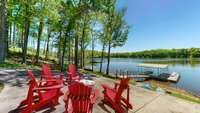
<point>83,44</point>
<point>26,33</point>
<point>22,39</point>
<point>102,57</point>
<point>59,48</point>
<point>25,45</point>
<point>44,48</point>
<point>108,64</point>
<point>76,51</point>
<point>83,55</point>
<point>48,39</point>
<point>92,53</point>
<point>69,49</point>
<point>10,33</point>
<point>72,54</point>
<point>2,30</point>
<point>14,29</point>
<point>64,47</point>
<point>6,38</point>
<point>38,41</point>
<point>51,50</point>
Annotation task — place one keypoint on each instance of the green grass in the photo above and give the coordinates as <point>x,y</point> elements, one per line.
<point>13,65</point>
<point>30,54</point>
<point>1,86</point>
<point>185,97</point>
<point>13,60</point>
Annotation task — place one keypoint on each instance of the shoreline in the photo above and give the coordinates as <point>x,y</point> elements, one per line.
<point>176,92</point>
<point>170,88</point>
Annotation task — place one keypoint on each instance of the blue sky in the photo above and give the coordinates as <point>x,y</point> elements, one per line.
<point>161,24</point>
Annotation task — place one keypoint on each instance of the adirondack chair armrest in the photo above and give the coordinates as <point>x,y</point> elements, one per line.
<point>48,88</point>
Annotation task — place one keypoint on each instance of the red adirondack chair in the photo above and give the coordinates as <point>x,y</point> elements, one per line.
<point>82,98</point>
<point>72,73</point>
<point>48,78</point>
<point>39,97</point>
<point>114,98</point>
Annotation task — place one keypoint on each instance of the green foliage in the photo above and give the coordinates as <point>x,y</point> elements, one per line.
<point>161,53</point>
<point>120,29</point>
<point>66,26</point>
<point>186,97</point>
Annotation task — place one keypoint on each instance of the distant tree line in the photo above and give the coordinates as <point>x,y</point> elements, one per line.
<point>161,53</point>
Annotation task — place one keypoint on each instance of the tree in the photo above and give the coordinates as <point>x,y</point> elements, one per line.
<point>26,33</point>
<point>3,30</point>
<point>102,52</point>
<point>118,32</point>
<point>40,13</point>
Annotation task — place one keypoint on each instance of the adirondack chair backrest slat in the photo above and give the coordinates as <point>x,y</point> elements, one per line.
<point>46,71</point>
<point>72,70</point>
<point>32,84</point>
<point>122,86</point>
<point>80,97</point>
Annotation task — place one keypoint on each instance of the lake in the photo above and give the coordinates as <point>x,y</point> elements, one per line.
<point>188,69</point>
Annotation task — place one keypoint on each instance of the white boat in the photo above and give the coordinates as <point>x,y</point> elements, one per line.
<point>174,77</point>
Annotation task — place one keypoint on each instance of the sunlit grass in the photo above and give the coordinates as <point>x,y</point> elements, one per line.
<point>9,64</point>
<point>186,97</point>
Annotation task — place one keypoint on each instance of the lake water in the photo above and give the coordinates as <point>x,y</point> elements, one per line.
<point>188,69</point>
